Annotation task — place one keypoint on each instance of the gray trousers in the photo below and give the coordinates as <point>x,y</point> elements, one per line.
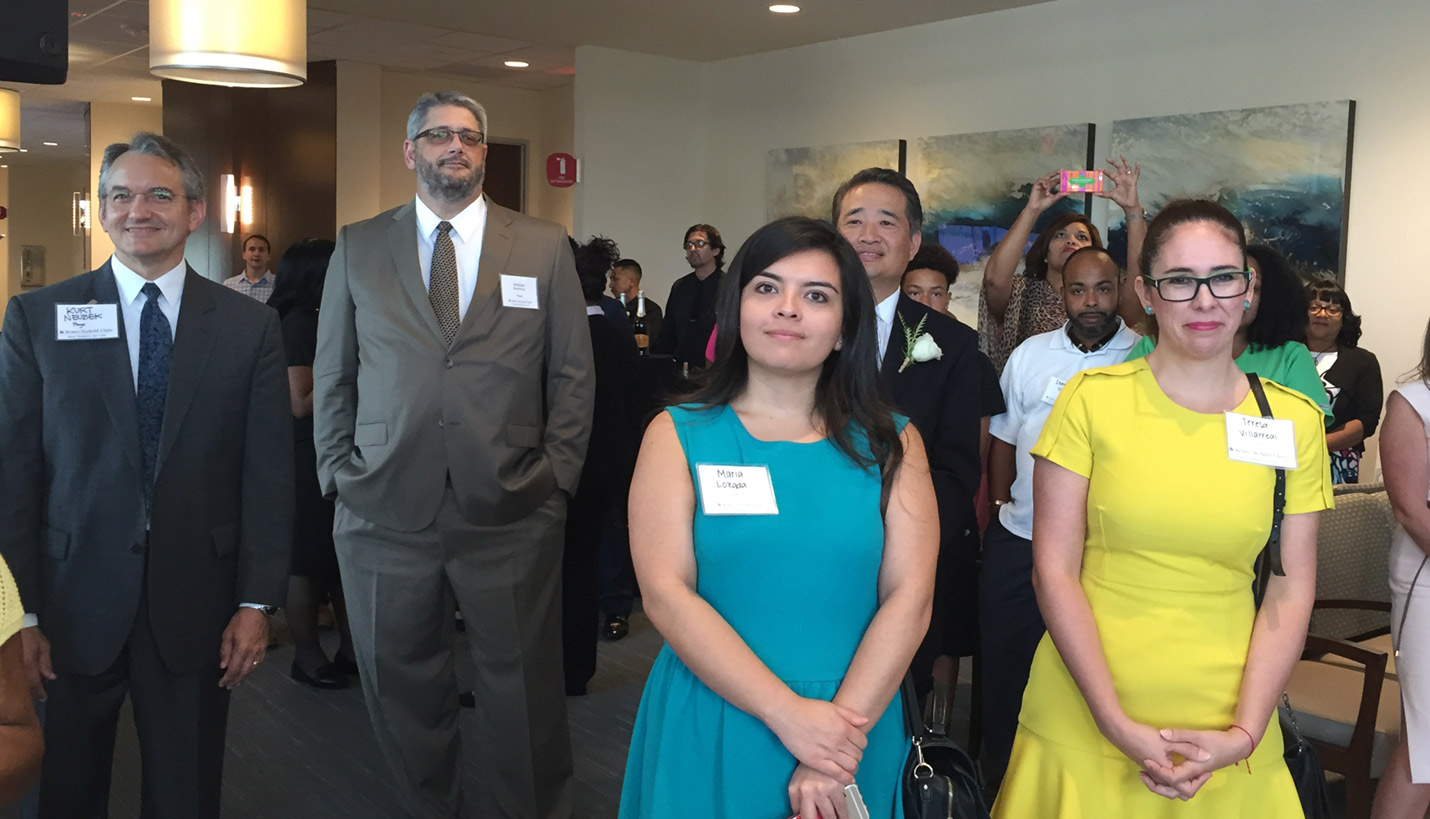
<point>402,589</point>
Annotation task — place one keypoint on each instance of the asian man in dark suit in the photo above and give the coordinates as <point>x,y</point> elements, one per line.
<point>937,386</point>
<point>145,494</point>
<point>452,394</point>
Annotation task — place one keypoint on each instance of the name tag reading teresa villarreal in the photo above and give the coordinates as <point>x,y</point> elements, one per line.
<point>86,322</point>
<point>1265,441</point>
<point>518,291</point>
<point>736,490</point>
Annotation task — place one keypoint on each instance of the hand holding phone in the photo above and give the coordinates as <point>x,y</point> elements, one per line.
<point>1080,182</point>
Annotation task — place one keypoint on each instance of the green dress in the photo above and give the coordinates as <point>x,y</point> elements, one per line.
<point>1289,365</point>
<point>800,588</point>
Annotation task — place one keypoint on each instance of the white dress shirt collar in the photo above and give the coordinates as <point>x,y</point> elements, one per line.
<point>468,225</point>
<point>130,284</point>
<point>884,313</point>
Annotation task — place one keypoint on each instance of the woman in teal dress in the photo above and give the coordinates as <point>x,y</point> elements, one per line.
<point>784,531</point>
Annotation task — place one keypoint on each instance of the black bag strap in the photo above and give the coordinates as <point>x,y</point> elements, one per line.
<point>1269,562</point>
<point>913,714</point>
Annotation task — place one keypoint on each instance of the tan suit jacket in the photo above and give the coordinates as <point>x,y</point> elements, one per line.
<point>505,411</point>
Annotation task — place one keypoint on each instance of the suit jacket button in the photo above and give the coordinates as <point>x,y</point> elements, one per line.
<point>441,423</point>
<point>449,363</point>
<point>137,548</point>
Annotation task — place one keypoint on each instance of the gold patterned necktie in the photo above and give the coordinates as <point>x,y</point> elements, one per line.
<point>442,288</point>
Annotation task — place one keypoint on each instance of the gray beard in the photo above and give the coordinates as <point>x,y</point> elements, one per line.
<point>446,188</point>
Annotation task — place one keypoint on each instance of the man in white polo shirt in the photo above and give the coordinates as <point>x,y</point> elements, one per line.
<point>1010,625</point>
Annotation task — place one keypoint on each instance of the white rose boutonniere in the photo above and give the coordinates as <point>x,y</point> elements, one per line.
<point>918,345</point>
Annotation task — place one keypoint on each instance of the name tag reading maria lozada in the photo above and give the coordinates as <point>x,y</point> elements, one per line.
<point>86,322</point>
<point>1264,441</point>
<point>736,490</point>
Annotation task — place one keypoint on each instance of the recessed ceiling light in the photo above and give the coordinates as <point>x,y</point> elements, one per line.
<point>784,8</point>
<point>53,144</point>
<point>142,99</point>
<point>517,64</point>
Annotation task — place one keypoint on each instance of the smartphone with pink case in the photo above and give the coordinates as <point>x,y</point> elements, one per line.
<point>1081,181</point>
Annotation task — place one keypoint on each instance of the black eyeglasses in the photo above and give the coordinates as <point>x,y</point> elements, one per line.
<point>1226,285</point>
<point>695,243</point>
<point>441,136</point>
<point>1331,310</point>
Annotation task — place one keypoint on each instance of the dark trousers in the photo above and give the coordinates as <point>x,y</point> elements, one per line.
<point>618,577</point>
<point>180,718</point>
<point>581,586</point>
<point>953,625</point>
<point>1011,627</point>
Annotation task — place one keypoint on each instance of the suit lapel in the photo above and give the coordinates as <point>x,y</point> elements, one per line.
<point>402,237</point>
<point>114,374</point>
<point>193,343</point>
<point>894,353</point>
<point>496,247</point>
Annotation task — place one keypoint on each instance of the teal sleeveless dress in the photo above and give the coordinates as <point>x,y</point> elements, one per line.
<point>800,588</point>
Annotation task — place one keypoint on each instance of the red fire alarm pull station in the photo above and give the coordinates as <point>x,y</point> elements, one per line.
<point>3,212</point>
<point>561,170</point>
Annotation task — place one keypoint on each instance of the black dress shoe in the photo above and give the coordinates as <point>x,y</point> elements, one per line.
<point>327,676</point>
<point>467,699</point>
<point>617,627</point>
<point>346,665</point>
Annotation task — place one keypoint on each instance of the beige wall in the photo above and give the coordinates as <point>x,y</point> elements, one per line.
<point>111,122</point>
<point>40,215</point>
<point>373,105</point>
<point>5,226</point>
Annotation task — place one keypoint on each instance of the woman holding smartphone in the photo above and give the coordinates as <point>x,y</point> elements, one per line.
<point>784,531</point>
<point>1158,674</point>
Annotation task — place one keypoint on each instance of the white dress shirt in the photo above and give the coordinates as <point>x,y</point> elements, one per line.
<point>132,301</point>
<point>884,313</point>
<point>468,228</point>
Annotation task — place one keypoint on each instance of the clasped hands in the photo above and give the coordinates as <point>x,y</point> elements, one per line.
<point>1177,762</point>
<point>828,742</point>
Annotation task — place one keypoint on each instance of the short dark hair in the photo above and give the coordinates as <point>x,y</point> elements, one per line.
<point>847,397</point>
<point>593,261</point>
<point>934,256</point>
<point>913,208</point>
<point>154,145</point>
<point>1035,262</point>
<point>261,238</point>
<point>713,237</point>
<point>1281,313</point>
<point>1328,291</point>
<point>300,276</point>
<point>629,264</point>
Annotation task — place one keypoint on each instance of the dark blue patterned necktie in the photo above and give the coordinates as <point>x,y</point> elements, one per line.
<point>156,342</point>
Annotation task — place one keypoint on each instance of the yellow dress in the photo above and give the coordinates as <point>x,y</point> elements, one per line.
<point>1173,530</point>
<point>11,612</point>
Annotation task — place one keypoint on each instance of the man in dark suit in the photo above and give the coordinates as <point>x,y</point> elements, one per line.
<point>146,501</point>
<point>452,398</point>
<point>690,309</point>
<point>937,386</point>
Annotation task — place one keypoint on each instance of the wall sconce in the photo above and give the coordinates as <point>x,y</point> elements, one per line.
<point>237,203</point>
<point>254,44</point>
<point>79,213</point>
<point>9,120</point>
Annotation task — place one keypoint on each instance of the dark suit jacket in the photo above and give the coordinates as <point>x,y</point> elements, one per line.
<point>652,316</point>
<point>689,318</point>
<point>71,472</point>
<point>611,454</point>
<point>505,411</point>
<point>943,399</point>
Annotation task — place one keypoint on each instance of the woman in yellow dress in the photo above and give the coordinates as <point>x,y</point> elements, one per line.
<point>1154,691</point>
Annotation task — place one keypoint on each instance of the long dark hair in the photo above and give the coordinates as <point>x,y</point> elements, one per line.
<point>300,276</point>
<point>846,397</point>
<point>1328,291</point>
<point>1423,369</point>
<point>1281,315</point>
<point>1035,263</point>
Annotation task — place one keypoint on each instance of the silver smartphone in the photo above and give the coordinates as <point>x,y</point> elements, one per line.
<point>854,803</point>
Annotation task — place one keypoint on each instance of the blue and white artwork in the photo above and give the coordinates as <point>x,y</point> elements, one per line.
<point>802,181</point>
<point>974,186</point>
<point>1283,170</point>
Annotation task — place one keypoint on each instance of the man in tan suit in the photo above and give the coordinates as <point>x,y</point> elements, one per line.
<point>452,402</point>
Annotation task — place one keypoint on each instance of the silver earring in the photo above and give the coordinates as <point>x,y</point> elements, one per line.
<point>1246,305</point>
<point>1147,310</point>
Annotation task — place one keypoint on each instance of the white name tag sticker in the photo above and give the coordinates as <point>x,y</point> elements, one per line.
<point>519,291</point>
<point>1055,387</point>
<point>1264,441</point>
<point>86,322</point>
<point>736,490</point>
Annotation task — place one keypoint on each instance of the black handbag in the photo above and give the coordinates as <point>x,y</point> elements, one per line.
<point>1301,760</point>
<point>939,780</point>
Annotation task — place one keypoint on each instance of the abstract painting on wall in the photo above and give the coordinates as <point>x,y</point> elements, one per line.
<point>974,186</point>
<point>1283,170</point>
<point>802,181</point>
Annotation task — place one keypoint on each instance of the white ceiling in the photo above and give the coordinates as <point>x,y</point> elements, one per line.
<point>109,53</point>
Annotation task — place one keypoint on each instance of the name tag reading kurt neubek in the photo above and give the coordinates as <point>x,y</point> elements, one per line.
<point>736,490</point>
<point>86,322</point>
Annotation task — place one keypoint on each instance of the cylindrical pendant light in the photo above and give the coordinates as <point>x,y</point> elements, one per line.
<point>254,44</point>
<point>9,120</point>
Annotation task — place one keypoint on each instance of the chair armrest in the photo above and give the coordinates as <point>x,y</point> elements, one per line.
<point>1363,733</point>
